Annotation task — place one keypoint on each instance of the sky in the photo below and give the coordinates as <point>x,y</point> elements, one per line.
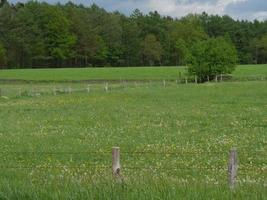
<point>238,9</point>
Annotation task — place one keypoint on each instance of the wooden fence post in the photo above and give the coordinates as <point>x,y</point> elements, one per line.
<point>106,87</point>
<point>116,168</point>
<point>196,79</point>
<point>232,168</point>
<point>54,91</point>
<point>19,92</point>
<point>69,89</point>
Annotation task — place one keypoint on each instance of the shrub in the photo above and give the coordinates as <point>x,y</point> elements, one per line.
<point>212,57</point>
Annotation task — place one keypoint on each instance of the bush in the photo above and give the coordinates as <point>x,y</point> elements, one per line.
<point>212,57</point>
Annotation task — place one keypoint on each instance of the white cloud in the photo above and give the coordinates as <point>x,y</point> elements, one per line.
<point>262,15</point>
<point>239,9</point>
<point>180,8</point>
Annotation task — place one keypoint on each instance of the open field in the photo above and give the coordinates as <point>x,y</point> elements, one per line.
<point>127,73</point>
<point>174,141</point>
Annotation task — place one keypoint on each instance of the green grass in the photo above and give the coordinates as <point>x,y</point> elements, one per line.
<point>58,146</point>
<point>126,73</point>
<point>251,70</point>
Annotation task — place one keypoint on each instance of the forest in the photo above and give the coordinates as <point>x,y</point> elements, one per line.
<point>42,35</point>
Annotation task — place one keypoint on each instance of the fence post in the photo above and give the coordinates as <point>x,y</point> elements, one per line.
<point>232,168</point>
<point>196,79</point>
<point>186,81</point>
<point>70,90</point>
<point>106,87</point>
<point>116,168</point>
<point>54,91</point>
<point>19,92</point>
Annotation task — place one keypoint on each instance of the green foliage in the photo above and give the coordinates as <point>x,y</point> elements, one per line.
<point>55,27</point>
<point>152,50</point>
<point>259,49</point>
<point>2,56</point>
<point>68,35</point>
<point>212,57</point>
<point>182,51</point>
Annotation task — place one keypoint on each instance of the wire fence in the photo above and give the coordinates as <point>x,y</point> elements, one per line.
<point>160,166</point>
<point>32,89</point>
<point>134,153</point>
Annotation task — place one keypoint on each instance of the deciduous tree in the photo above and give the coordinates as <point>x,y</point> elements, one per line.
<point>152,50</point>
<point>212,57</point>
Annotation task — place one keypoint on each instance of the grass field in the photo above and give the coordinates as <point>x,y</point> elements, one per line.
<point>174,141</point>
<point>127,73</point>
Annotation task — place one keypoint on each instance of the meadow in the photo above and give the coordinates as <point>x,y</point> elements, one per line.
<point>55,142</point>
<point>125,73</point>
<point>60,145</point>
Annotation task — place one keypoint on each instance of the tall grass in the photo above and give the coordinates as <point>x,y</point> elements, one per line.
<point>174,142</point>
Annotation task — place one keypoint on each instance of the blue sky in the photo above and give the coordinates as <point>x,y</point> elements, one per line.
<point>238,9</point>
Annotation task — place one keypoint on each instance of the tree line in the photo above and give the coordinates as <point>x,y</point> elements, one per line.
<point>35,34</point>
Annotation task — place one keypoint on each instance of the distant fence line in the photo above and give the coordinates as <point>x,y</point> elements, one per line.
<point>119,84</point>
<point>181,79</point>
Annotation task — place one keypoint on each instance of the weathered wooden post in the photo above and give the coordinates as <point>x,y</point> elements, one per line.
<point>54,91</point>
<point>106,87</point>
<point>232,168</point>
<point>19,92</point>
<point>69,89</point>
<point>116,168</point>
<point>196,79</point>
